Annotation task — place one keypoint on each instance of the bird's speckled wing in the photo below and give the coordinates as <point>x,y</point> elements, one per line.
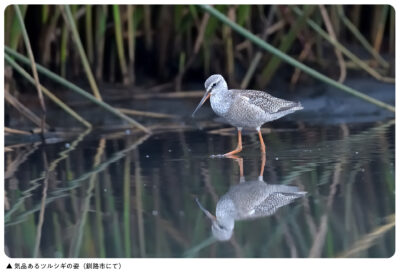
<point>274,202</point>
<point>265,101</point>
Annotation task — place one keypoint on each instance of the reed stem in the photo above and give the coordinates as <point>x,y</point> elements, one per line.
<point>89,34</point>
<point>15,29</point>
<point>120,44</point>
<point>84,60</point>
<point>33,66</point>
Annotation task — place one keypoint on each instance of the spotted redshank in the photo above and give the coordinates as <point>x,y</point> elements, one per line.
<point>248,200</point>
<point>244,108</point>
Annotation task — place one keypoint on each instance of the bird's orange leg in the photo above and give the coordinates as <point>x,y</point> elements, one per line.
<point>263,160</point>
<point>261,141</point>
<point>239,161</point>
<point>239,145</point>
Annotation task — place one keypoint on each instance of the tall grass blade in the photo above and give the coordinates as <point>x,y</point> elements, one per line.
<point>131,42</point>
<point>392,31</point>
<point>380,28</point>
<point>33,64</point>
<point>101,20</point>
<point>120,44</point>
<point>127,205</point>
<point>15,29</point>
<point>332,33</point>
<point>45,13</point>
<point>71,23</point>
<point>243,14</point>
<point>64,51</point>
<point>49,32</point>
<point>89,32</point>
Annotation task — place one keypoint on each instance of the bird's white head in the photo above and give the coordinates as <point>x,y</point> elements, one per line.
<point>222,229</point>
<point>213,84</point>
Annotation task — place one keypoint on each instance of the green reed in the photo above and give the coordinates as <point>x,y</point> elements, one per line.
<point>293,61</point>
<point>135,25</point>
<point>107,40</point>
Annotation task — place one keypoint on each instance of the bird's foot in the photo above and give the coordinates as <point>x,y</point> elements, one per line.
<point>232,155</point>
<point>218,156</point>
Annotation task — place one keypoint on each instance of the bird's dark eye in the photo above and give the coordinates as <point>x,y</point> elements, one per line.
<point>213,85</point>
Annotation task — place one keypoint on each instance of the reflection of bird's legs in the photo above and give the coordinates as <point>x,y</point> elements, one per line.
<point>263,160</point>
<point>261,140</point>
<point>239,145</point>
<point>238,160</point>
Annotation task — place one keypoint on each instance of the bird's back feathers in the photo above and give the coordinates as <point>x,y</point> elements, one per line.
<point>267,102</point>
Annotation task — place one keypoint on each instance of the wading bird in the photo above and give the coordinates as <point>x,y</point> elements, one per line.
<point>244,108</point>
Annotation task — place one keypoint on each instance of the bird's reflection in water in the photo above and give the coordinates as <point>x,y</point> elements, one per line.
<point>248,200</point>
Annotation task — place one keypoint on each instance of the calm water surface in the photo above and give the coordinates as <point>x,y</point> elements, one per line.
<point>326,191</point>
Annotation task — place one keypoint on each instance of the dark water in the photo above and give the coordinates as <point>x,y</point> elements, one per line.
<point>118,194</point>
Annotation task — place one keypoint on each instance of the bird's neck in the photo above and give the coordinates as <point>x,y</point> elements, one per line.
<point>226,212</point>
<point>221,101</point>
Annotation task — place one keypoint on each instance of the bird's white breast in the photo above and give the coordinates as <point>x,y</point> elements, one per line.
<point>221,102</point>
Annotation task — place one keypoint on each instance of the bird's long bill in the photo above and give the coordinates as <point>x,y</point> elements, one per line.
<point>208,214</point>
<point>205,97</point>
